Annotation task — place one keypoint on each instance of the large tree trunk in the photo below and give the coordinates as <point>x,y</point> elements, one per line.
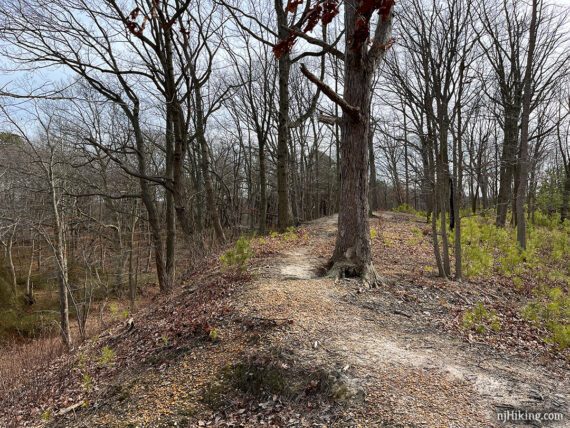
<point>406,160</point>
<point>443,184</point>
<point>484,191</point>
<point>374,202</point>
<point>353,255</point>
<point>283,219</point>
<point>205,155</point>
<point>427,180</point>
<point>508,160</point>
<point>133,270</point>
<point>208,185</point>
<point>564,208</point>
<point>169,265</point>
<point>176,127</point>
<point>523,166</point>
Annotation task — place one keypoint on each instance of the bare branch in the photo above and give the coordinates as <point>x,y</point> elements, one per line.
<point>352,111</point>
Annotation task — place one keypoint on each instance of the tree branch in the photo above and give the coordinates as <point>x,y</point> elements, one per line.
<point>382,40</point>
<point>328,119</point>
<point>327,48</point>
<point>352,111</point>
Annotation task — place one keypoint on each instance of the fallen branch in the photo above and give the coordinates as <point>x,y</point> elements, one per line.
<point>70,408</point>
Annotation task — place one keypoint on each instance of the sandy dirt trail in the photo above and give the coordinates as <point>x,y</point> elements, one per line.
<point>408,373</point>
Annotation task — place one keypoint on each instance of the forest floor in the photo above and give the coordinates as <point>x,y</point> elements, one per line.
<point>279,345</point>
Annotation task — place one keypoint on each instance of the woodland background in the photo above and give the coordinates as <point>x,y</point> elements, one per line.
<point>139,138</point>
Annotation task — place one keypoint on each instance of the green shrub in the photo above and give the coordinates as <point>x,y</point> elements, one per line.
<point>250,377</point>
<point>114,308</point>
<point>238,256</point>
<point>478,261</point>
<point>551,310</point>
<point>405,208</point>
<point>290,234</point>
<point>557,241</point>
<point>488,249</point>
<point>556,275</point>
<point>512,260</point>
<point>373,233</point>
<point>544,220</point>
<point>107,356</point>
<point>214,335</point>
<point>256,378</point>
<point>477,249</point>
<point>481,319</point>
<point>387,241</point>
<point>46,415</point>
<point>417,236</point>
<point>423,215</point>
<point>87,382</point>
<point>560,335</point>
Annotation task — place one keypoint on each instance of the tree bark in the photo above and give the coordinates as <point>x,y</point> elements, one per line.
<point>523,166</point>
<point>262,189</point>
<point>60,263</point>
<point>374,202</point>
<point>353,254</point>
<point>283,218</point>
<point>508,160</point>
<point>132,268</point>
<point>457,189</point>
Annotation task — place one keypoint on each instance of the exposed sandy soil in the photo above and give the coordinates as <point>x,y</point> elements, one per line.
<point>413,374</point>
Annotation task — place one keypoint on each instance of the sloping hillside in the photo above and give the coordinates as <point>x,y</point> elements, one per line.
<point>278,345</point>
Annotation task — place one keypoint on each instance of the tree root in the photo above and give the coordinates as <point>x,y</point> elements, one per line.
<point>367,274</point>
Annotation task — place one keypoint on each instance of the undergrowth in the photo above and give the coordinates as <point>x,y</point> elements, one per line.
<point>551,309</point>
<point>408,209</point>
<point>488,249</point>
<point>481,319</point>
<point>238,256</point>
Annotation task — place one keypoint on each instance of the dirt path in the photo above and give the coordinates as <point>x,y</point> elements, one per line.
<point>410,373</point>
<point>298,350</point>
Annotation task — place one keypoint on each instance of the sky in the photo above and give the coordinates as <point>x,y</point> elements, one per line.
<point>24,81</point>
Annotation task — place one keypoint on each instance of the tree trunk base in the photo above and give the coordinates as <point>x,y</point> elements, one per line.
<point>346,269</point>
